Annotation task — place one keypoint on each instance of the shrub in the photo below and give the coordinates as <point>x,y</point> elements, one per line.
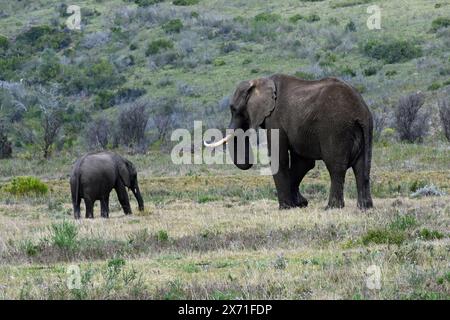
<point>434,86</point>
<point>162,236</point>
<point>64,235</point>
<point>4,42</point>
<point>312,18</point>
<point>304,75</point>
<point>441,22</point>
<point>266,17</point>
<point>348,3</point>
<point>427,234</point>
<point>104,99</point>
<point>50,68</point>
<point>146,3</point>
<point>44,36</point>
<point>155,46</point>
<point>219,62</point>
<point>350,26</point>
<point>295,18</point>
<point>370,71</point>
<point>173,26</point>
<point>444,115</point>
<point>23,186</point>
<point>132,122</point>
<point>411,122</point>
<point>391,50</point>
<point>103,75</point>
<point>5,144</point>
<point>428,191</point>
<point>384,236</point>
<point>185,2</point>
<point>98,133</point>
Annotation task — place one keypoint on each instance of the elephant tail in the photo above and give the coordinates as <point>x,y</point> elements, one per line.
<point>367,131</point>
<point>75,181</point>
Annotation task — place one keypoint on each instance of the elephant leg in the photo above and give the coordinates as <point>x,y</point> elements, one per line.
<point>362,183</point>
<point>77,208</point>
<point>124,200</point>
<point>89,208</point>
<point>337,175</point>
<point>105,207</point>
<point>282,177</point>
<point>299,168</point>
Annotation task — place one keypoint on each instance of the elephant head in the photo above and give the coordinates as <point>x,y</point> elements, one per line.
<point>128,174</point>
<point>252,102</point>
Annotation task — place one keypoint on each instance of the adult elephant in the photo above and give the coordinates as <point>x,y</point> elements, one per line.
<point>93,177</point>
<point>325,120</point>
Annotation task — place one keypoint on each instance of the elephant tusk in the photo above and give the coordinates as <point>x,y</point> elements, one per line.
<point>220,142</point>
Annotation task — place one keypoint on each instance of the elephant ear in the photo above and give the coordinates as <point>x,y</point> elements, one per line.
<point>124,172</point>
<point>261,101</point>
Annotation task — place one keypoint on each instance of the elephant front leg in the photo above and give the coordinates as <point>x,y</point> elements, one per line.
<point>124,200</point>
<point>89,208</point>
<point>281,177</point>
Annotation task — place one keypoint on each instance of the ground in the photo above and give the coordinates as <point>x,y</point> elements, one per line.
<point>211,234</point>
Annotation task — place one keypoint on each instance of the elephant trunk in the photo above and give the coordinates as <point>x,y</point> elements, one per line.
<point>137,194</point>
<point>242,155</point>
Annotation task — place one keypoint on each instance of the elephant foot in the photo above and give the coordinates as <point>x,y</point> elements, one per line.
<point>365,204</point>
<point>335,204</point>
<point>286,206</point>
<point>303,203</point>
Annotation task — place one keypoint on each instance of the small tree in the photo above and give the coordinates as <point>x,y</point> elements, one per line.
<point>132,122</point>
<point>411,122</point>
<point>444,114</point>
<point>51,121</point>
<point>99,133</point>
<point>5,144</point>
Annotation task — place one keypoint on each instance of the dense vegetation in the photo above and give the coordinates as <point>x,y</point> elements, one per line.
<point>67,90</point>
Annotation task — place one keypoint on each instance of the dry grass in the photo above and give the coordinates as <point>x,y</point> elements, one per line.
<point>183,248</point>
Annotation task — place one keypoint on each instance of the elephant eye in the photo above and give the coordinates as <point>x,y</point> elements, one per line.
<point>232,108</point>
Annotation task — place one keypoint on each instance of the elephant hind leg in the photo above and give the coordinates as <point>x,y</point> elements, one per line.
<point>337,176</point>
<point>104,203</point>
<point>299,168</point>
<point>362,183</point>
<point>89,208</point>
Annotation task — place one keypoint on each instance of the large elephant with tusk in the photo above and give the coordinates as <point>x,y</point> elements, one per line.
<point>324,119</point>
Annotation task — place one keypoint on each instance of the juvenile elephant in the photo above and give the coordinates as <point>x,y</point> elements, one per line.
<point>93,177</point>
<point>317,120</point>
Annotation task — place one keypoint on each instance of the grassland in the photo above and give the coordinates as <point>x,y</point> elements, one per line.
<point>212,235</point>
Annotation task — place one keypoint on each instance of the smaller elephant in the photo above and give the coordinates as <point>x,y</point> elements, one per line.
<point>93,177</point>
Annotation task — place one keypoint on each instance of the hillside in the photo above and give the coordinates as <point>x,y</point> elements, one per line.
<point>183,61</point>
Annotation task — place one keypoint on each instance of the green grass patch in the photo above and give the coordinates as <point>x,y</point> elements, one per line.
<point>23,186</point>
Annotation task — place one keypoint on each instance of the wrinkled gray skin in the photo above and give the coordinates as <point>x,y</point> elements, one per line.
<point>93,177</point>
<point>317,120</point>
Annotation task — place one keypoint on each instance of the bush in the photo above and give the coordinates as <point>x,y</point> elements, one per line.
<point>44,36</point>
<point>391,50</point>
<point>427,234</point>
<point>305,75</point>
<point>98,133</point>
<point>64,235</point>
<point>132,122</point>
<point>444,115</point>
<point>411,122</point>
<point>350,26</point>
<point>434,86</point>
<point>155,46</point>
<point>295,18</point>
<point>103,75</point>
<point>428,191</point>
<point>384,236</point>
<point>23,186</point>
<point>266,17</point>
<point>312,18</point>
<point>173,26</point>
<point>4,42</point>
<point>146,3</point>
<point>370,71</point>
<point>104,99</point>
<point>441,22</point>
<point>5,144</point>
<point>185,2</point>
